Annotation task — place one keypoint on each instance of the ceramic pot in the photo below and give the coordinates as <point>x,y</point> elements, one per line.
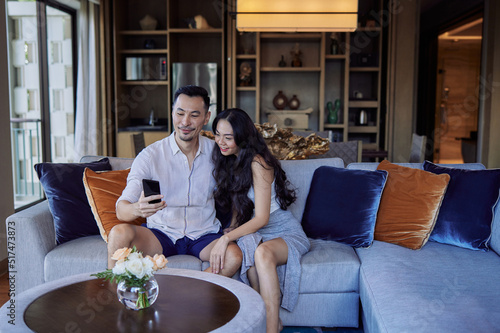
<point>280,101</point>
<point>294,103</point>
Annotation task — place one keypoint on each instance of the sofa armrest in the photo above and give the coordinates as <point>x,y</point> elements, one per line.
<point>30,236</point>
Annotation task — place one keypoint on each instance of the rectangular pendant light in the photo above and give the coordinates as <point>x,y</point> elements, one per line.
<point>296,15</point>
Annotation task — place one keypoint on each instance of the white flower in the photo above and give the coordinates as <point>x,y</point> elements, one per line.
<point>135,267</point>
<point>119,267</point>
<point>148,266</point>
<point>134,255</point>
<point>132,267</point>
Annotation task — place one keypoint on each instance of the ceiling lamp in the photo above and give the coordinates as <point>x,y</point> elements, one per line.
<point>296,15</point>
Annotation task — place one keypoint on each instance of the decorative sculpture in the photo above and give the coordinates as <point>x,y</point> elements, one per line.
<point>285,145</point>
<point>198,22</point>
<point>245,74</point>
<point>333,113</point>
<point>296,53</point>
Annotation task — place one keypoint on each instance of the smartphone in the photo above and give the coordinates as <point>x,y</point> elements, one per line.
<point>151,187</point>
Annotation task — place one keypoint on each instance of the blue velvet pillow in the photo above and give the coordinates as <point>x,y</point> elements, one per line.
<point>342,205</point>
<point>466,214</point>
<point>68,203</point>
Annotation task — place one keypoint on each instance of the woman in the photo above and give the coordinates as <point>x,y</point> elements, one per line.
<point>251,183</point>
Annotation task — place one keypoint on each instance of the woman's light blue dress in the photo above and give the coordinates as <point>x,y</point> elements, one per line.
<point>282,224</point>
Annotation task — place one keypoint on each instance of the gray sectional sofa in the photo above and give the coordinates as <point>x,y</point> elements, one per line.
<point>389,288</point>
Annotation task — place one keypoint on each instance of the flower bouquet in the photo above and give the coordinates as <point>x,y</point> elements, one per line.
<point>137,288</point>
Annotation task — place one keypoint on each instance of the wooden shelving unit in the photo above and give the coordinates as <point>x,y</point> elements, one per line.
<point>353,72</point>
<point>173,40</point>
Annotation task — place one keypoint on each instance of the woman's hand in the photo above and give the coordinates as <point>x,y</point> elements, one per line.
<point>218,254</point>
<point>144,209</point>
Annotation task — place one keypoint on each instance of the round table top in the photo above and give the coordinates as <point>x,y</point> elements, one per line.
<point>188,301</point>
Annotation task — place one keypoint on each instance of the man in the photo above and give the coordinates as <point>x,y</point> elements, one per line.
<point>184,221</point>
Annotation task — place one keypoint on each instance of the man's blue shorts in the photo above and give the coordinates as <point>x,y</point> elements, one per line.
<point>183,245</point>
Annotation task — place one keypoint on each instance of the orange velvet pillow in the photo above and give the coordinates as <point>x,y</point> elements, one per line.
<point>409,206</point>
<point>103,189</point>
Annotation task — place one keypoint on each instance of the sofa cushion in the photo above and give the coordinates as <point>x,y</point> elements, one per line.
<point>324,310</point>
<point>103,188</point>
<point>466,215</point>
<point>63,185</point>
<point>89,255</point>
<point>85,254</point>
<point>117,163</point>
<point>440,288</point>
<point>409,205</point>
<point>329,267</point>
<point>300,174</point>
<point>495,231</point>
<point>328,291</point>
<point>342,205</point>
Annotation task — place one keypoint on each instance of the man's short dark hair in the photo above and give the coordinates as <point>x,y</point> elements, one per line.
<point>193,91</point>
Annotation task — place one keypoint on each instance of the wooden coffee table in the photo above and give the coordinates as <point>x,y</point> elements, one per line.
<point>189,301</point>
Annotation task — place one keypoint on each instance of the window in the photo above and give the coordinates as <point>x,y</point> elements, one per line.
<point>29,53</point>
<point>41,65</point>
<point>56,52</point>
<point>57,100</point>
<point>19,77</point>
<point>33,100</point>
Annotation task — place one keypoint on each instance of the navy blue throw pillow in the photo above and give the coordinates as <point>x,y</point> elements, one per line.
<point>466,214</point>
<point>342,205</point>
<point>63,186</point>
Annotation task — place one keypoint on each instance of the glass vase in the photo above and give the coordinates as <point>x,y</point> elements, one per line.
<point>137,298</point>
<point>333,112</point>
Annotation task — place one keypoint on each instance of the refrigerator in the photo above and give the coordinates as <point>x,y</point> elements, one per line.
<point>203,74</point>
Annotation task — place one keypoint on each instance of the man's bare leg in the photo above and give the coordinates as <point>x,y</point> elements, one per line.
<point>128,235</point>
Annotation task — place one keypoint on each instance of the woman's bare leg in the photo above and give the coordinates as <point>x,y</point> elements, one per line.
<point>268,256</point>
<point>253,278</point>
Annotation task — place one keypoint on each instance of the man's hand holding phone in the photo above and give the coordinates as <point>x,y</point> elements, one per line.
<point>150,201</point>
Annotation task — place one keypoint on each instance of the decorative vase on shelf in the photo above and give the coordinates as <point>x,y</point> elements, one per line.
<point>138,297</point>
<point>247,42</point>
<point>280,101</point>
<point>294,103</point>
<point>148,23</point>
<point>333,112</point>
<point>282,62</point>
<point>334,46</point>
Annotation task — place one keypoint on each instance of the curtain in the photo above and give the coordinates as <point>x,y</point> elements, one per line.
<point>88,134</point>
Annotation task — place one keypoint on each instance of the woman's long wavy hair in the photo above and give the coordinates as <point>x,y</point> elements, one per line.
<point>233,174</point>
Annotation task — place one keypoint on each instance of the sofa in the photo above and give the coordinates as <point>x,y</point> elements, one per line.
<point>384,287</point>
